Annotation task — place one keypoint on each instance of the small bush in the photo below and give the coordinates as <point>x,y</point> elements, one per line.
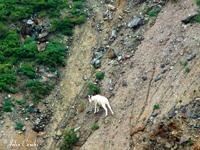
<point>21,101</point>
<point>28,49</point>
<point>154,11</point>
<point>198,2</point>
<point>69,139</point>
<point>19,125</point>
<point>156,106</point>
<point>6,80</point>
<point>28,70</point>
<point>53,56</point>
<point>187,69</point>
<point>94,126</point>
<point>184,62</point>
<point>99,75</point>
<point>38,89</point>
<point>7,105</point>
<point>3,30</point>
<point>93,89</point>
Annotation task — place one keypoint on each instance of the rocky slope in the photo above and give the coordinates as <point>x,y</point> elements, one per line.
<point>148,70</point>
<point>151,64</point>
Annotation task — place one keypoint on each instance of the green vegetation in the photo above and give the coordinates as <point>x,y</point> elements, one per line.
<point>154,11</point>
<point>7,105</point>
<point>15,10</point>
<point>187,69</point>
<point>21,101</point>
<point>93,88</point>
<point>38,89</point>
<point>20,58</point>
<point>69,139</point>
<point>53,56</point>
<point>19,125</point>
<point>94,126</point>
<point>198,2</point>
<point>99,75</point>
<point>28,70</point>
<point>156,106</point>
<point>185,65</point>
<point>3,30</point>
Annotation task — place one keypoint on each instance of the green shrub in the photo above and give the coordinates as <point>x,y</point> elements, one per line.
<point>64,26</point>
<point>69,139</point>
<point>28,70</point>
<point>19,125</point>
<point>198,2</point>
<point>93,89</point>
<point>153,12</point>
<point>187,69</point>
<point>99,75</point>
<point>53,55</point>
<point>184,62</point>
<point>38,89</point>
<point>7,105</point>
<point>156,106</point>
<point>3,30</point>
<point>21,101</point>
<point>6,80</point>
<point>94,126</point>
<point>28,49</point>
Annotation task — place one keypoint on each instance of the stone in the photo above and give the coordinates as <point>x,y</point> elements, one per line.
<point>124,83</point>
<point>189,19</point>
<point>135,22</point>
<point>96,63</point>
<point>184,139</point>
<point>113,34</point>
<point>111,7</point>
<point>191,56</point>
<point>30,22</point>
<point>58,133</point>
<point>43,35</point>
<point>144,78</point>
<point>111,54</point>
<point>41,46</point>
<point>158,78</point>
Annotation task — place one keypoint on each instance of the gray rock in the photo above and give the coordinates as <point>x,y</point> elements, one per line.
<point>124,83</point>
<point>114,34</point>
<point>42,35</point>
<point>58,133</point>
<point>30,22</point>
<point>191,56</point>
<point>96,63</point>
<point>158,78</point>
<point>144,78</point>
<point>136,22</point>
<point>184,139</point>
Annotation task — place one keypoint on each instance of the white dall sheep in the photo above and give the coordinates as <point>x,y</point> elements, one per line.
<point>102,101</point>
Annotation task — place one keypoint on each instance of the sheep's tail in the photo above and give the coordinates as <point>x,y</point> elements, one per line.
<point>110,108</point>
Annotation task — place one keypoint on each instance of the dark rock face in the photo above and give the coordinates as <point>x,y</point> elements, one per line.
<point>41,120</point>
<point>178,131</point>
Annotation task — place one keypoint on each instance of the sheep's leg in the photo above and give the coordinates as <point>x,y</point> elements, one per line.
<point>95,108</point>
<point>110,108</point>
<point>104,107</point>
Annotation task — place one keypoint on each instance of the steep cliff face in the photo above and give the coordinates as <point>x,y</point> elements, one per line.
<point>151,64</point>
<point>151,61</point>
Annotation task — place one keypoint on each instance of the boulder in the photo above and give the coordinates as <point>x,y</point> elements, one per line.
<point>135,22</point>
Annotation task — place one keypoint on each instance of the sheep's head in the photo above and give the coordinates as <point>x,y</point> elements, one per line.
<point>89,98</point>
